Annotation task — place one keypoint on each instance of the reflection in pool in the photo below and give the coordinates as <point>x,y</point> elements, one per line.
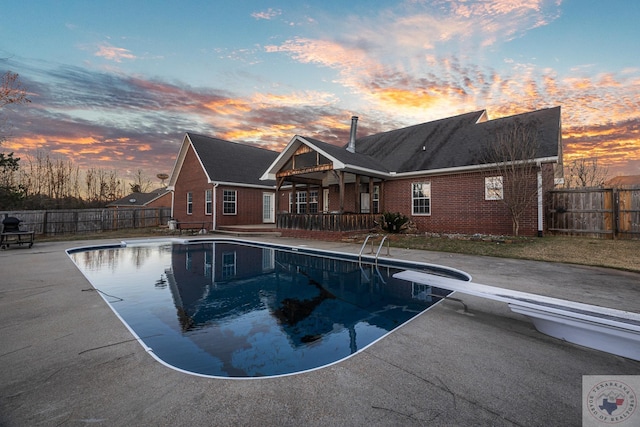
<point>238,309</point>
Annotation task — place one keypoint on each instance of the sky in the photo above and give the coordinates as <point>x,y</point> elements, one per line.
<point>116,84</point>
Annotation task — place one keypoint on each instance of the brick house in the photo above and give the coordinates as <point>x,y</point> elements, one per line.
<point>217,183</point>
<point>436,173</point>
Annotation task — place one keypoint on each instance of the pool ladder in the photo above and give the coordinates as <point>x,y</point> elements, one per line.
<point>364,244</point>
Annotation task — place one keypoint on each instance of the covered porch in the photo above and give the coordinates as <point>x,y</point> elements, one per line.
<point>316,190</point>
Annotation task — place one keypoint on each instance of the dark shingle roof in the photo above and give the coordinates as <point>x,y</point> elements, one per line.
<point>226,161</point>
<point>357,159</point>
<point>454,142</point>
<point>139,199</point>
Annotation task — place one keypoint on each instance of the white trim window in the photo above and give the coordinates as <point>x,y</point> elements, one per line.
<point>189,203</point>
<point>376,199</point>
<point>313,201</point>
<point>421,198</point>
<point>493,188</point>
<point>208,202</point>
<point>229,202</point>
<point>301,202</point>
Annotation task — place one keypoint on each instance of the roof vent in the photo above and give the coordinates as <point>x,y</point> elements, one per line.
<point>352,137</point>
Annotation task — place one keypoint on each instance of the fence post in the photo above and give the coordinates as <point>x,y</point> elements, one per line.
<point>615,198</point>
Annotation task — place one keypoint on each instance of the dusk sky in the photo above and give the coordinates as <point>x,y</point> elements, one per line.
<point>116,84</point>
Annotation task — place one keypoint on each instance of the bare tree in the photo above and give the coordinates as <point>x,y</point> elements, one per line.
<point>11,92</point>
<point>103,185</point>
<point>141,183</point>
<point>585,173</point>
<point>511,155</point>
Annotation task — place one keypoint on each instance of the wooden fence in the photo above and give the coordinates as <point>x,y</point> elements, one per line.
<point>598,212</point>
<point>75,221</point>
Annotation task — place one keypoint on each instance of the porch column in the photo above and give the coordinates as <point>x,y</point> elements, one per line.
<point>370,195</point>
<point>357,191</point>
<point>307,209</point>
<point>278,208</point>
<point>341,176</point>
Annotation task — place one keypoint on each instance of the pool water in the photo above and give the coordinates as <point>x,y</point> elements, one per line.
<point>238,309</point>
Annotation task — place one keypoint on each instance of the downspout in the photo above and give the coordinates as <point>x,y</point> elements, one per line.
<point>540,204</point>
<point>215,206</point>
<point>173,200</point>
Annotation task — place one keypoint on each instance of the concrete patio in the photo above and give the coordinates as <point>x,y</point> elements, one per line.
<point>66,359</point>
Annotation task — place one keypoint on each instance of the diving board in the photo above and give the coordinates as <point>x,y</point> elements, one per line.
<point>605,329</point>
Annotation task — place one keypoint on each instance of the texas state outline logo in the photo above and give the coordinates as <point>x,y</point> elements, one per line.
<point>611,401</point>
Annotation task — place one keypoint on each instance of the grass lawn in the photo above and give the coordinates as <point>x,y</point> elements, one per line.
<point>619,254</point>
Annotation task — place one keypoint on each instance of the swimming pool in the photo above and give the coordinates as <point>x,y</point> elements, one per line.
<point>241,309</point>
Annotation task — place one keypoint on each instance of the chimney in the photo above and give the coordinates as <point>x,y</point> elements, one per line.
<point>352,137</point>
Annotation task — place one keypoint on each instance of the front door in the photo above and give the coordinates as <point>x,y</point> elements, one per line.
<point>268,208</point>
<point>325,200</point>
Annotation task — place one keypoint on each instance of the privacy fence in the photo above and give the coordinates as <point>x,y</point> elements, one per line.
<point>599,212</point>
<point>72,221</point>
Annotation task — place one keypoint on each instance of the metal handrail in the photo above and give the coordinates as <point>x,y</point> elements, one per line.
<point>362,249</point>
<point>380,247</point>
<point>364,244</point>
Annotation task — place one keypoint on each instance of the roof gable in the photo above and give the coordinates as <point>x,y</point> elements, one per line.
<point>226,161</point>
<point>340,158</point>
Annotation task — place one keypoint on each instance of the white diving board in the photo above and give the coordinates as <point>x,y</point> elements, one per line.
<point>606,329</point>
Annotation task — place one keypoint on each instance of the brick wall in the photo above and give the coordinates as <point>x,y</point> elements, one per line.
<point>193,179</point>
<point>248,206</point>
<point>161,202</point>
<point>458,205</point>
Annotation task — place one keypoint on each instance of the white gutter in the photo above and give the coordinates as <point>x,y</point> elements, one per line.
<point>540,205</point>
<point>173,194</point>
<point>237,184</point>
<point>445,171</point>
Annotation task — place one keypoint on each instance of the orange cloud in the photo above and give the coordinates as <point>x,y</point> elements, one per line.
<point>227,106</point>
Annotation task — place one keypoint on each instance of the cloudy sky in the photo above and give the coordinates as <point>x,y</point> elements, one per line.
<point>116,84</point>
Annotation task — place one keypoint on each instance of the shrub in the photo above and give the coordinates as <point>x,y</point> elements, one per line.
<point>393,221</point>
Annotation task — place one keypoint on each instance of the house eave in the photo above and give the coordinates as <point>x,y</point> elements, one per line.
<point>459,169</point>
<point>241,184</point>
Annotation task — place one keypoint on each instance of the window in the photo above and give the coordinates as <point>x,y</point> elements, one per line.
<point>189,203</point>
<point>421,198</point>
<point>208,202</point>
<point>493,188</point>
<point>301,205</point>
<point>313,201</point>
<point>301,202</point>
<point>229,202</point>
<point>376,199</point>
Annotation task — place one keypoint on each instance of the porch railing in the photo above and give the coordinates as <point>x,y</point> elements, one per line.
<point>327,221</point>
